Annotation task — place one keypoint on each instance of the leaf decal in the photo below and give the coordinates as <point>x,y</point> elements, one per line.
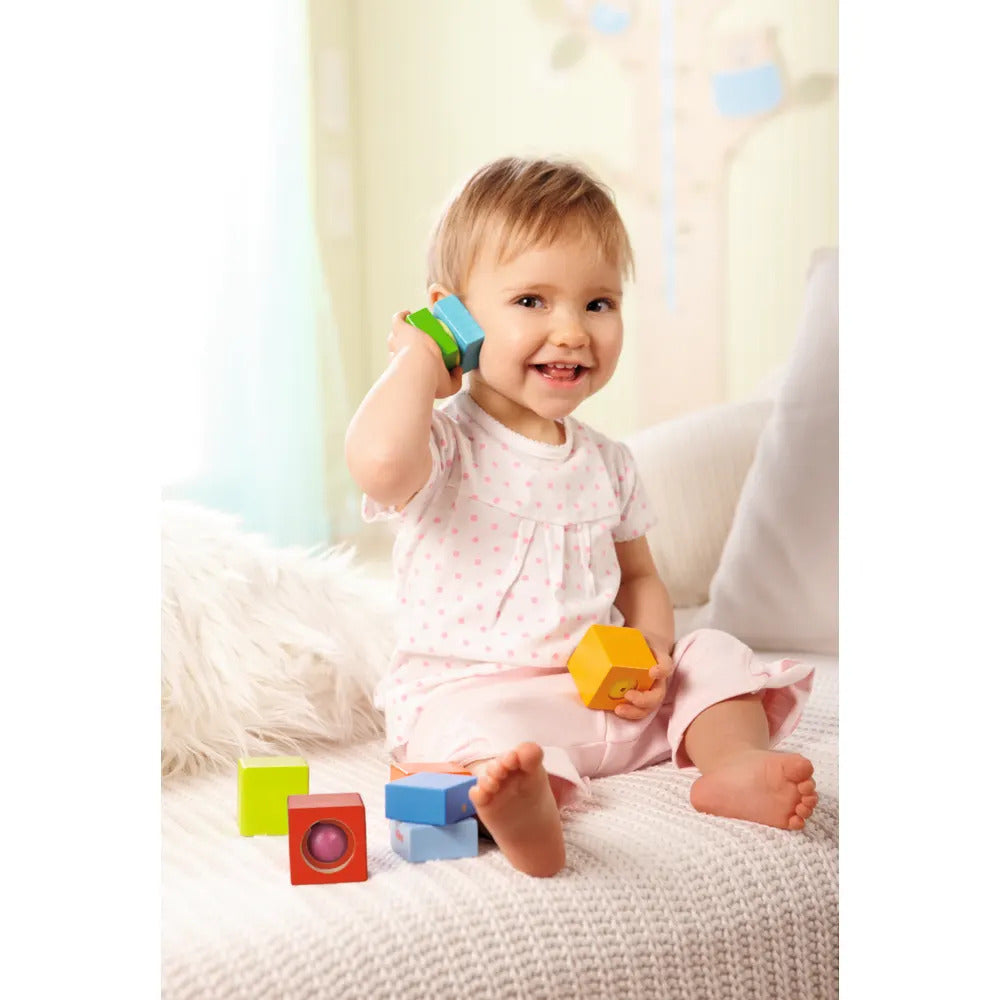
<point>814,89</point>
<point>569,51</point>
<point>549,10</point>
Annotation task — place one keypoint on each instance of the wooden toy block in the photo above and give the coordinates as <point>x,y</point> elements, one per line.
<point>609,661</point>
<point>403,768</point>
<point>421,842</point>
<point>467,332</point>
<point>432,798</point>
<point>263,785</point>
<point>326,839</point>
<point>424,320</point>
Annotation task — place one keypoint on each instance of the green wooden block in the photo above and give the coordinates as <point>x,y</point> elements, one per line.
<point>424,319</point>
<point>263,786</point>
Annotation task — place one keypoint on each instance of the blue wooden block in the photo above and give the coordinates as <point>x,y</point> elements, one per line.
<point>421,842</point>
<point>467,332</point>
<point>428,797</point>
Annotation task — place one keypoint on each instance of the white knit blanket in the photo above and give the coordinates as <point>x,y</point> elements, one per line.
<point>656,900</point>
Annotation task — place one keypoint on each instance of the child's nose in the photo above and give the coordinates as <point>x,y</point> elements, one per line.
<point>570,332</point>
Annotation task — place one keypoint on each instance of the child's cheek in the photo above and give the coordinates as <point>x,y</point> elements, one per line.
<point>491,354</point>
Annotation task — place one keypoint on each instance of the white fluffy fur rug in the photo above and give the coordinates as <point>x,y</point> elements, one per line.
<point>264,650</point>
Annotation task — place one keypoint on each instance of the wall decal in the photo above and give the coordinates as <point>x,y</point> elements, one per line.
<point>699,94</point>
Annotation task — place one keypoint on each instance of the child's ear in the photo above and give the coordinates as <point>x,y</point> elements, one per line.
<point>437,292</point>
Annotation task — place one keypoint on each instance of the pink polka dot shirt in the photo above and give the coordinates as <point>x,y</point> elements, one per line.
<point>506,555</point>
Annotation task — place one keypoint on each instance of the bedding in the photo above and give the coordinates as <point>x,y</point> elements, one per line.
<point>777,578</point>
<point>269,651</point>
<point>693,468</point>
<point>656,899</point>
<point>262,648</point>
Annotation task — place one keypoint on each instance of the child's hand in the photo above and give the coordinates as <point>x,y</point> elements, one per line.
<point>405,335</point>
<point>643,703</point>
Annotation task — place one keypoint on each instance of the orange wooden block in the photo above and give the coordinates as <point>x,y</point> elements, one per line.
<point>403,769</point>
<point>326,839</point>
<point>609,661</point>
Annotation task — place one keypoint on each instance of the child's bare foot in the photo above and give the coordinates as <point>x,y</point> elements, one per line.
<point>762,786</point>
<point>514,800</point>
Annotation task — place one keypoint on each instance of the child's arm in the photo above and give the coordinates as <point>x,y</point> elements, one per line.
<point>644,601</point>
<point>387,445</point>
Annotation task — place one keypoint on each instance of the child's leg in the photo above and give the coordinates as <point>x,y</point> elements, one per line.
<point>517,804</point>
<point>516,801</point>
<point>741,777</point>
<point>729,708</point>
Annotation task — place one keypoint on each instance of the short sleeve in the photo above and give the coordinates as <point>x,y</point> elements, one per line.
<point>444,439</point>
<point>637,515</point>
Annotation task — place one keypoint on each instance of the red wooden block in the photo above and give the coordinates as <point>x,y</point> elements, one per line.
<point>326,839</point>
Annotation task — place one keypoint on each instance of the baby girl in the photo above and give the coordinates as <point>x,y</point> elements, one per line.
<point>518,527</point>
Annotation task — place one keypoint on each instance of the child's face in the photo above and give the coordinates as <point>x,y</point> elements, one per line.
<point>551,306</point>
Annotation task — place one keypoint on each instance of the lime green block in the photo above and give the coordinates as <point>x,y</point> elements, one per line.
<point>424,319</point>
<point>263,786</point>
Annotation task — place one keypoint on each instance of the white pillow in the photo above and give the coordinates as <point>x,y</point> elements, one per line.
<point>693,468</point>
<point>264,650</point>
<point>776,585</point>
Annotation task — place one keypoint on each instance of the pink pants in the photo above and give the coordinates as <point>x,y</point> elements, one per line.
<point>482,717</point>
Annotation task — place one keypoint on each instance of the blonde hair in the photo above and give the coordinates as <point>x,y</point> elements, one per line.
<point>522,203</point>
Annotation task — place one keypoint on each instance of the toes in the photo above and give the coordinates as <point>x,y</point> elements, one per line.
<point>803,810</point>
<point>529,755</point>
<point>489,784</point>
<point>498,768</point>
<point>807,787</point>
<point>796,823</point>
<point>797,768</point>
<point>479,797</point>
<point>810,800</point>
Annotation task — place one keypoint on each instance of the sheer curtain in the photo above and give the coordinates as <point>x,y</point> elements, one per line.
<point>243,413</point>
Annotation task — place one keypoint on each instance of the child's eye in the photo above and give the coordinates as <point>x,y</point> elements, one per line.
<point>601,305</point>
<point>529,301</point>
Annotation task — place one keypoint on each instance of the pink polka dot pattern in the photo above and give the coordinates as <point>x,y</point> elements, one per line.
<point>550,553</point>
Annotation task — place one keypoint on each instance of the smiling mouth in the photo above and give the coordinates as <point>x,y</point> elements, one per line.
<point>561,373</point>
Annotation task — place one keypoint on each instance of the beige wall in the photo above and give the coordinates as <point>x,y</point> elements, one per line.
<point>438,87</point>
<point>782,196</point>
<point>445,86</point>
